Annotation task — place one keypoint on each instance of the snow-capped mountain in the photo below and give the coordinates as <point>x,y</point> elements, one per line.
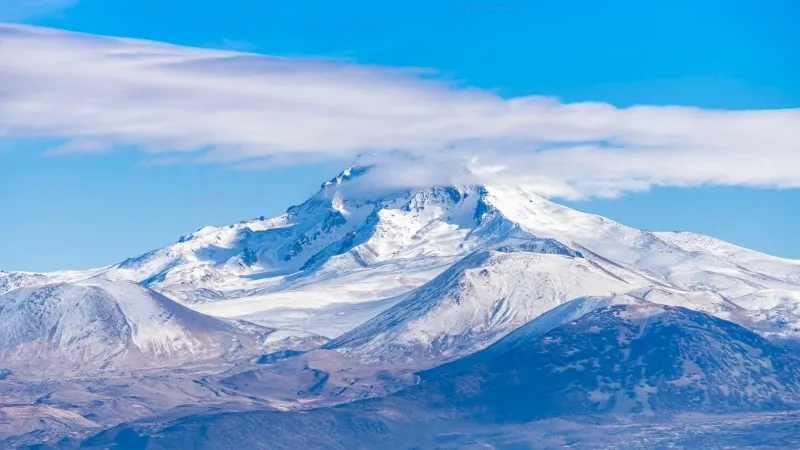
<point>476,301</point>
<point>634,358</point>
<point>97,324</point>
<point>518,297</point>
<point>487,258</point>
<point>15,280</point>
<point>552,319</point>
<point>328,237</point>
<point>632,365</point>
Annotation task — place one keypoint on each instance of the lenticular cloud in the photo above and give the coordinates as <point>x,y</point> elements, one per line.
<point>190,105</point>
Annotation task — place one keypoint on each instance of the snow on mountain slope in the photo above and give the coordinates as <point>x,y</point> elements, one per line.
<point>770,299</point>
<point>622,359</point>
<point>704,301</point>
<point>337,237</point>
<point>780,268</point>
<point>350,246</point>
<point>329,237</point>
<point>771,312</point>
<point>618,366</point>
<point>475,302</point>
<point>15,280</point>
<point>764,322</point>
<point>106,325</point>
<point>682,260</point>
<point>552,319</point>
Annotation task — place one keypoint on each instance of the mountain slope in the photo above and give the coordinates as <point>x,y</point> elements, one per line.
<point>106,325</point>
<point>475,302</point>
<point>328,236</point>
<point>15,280</point>
<point>550,320</point>
<point>583,384</point>
<point>338,233</point>
<point>624,359</point>
<point>350,245</point>
<point>680,260</point>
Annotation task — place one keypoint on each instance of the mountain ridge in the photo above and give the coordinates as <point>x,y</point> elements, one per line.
<point>102,325</point>
<point>625,358</point>
<point>405,297</point>
<point>349,246</point>
<point>620,365</point>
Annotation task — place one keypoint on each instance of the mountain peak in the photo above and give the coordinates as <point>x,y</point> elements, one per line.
<point>354,242</point>
<point>351,172</point>
<point>96,324</point>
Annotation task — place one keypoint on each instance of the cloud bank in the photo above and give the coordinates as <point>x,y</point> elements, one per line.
<point>190,105</point>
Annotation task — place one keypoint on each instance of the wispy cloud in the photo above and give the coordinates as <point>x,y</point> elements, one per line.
<point>233,44</point>
<point>224,107</point>
<point>17,10</point>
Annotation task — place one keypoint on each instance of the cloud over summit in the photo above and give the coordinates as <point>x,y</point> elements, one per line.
<point>244,110</point>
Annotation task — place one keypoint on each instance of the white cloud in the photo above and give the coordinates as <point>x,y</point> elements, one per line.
<point>15,10</point>
<point>244,110</point>
<point>232,44</point>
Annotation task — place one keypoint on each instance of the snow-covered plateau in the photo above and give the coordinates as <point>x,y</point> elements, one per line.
<point>450,305</point>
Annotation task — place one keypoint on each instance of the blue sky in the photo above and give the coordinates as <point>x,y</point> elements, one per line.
<point>83,210</point>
